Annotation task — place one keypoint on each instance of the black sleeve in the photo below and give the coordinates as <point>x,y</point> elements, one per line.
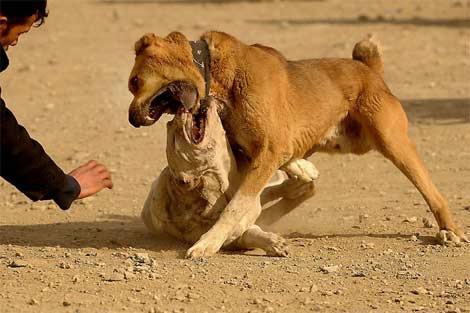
<point>25,164</point>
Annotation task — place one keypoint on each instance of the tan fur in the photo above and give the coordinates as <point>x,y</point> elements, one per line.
<point>278,111</point>
<point>187,198</point>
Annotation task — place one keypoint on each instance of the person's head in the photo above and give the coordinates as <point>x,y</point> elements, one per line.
<point>17,17</point>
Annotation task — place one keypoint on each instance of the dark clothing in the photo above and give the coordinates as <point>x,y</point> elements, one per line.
<point>25,164</point>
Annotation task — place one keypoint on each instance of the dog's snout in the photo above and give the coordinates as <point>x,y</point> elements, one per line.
<point>133,120</point>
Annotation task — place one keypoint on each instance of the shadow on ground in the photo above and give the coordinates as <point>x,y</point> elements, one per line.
<point>425,240</point>
<point>442,111</point>
<point>365,20</point>
<point>114,231</point>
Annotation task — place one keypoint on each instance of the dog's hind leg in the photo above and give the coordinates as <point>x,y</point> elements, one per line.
<point>292,193</point>
<point>387,124</point>
<point>254,237</point>
<point>299,187</point>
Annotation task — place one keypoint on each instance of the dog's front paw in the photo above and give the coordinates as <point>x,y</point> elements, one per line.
<point>278,247</point>
<point>205,247</point>
<point>449,237</point>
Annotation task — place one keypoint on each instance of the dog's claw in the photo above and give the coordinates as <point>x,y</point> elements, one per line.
<point>279,248</point>
<point>448,237</point>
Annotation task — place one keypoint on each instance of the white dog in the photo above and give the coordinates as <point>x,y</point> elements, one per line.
<point>202,175</point>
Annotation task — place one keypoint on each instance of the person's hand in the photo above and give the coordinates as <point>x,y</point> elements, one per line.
<point>92,178</point>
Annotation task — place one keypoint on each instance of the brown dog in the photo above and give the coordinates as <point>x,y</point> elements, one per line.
<point>277,111</point>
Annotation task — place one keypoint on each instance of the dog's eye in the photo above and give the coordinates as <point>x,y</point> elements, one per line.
<point>134,84</point>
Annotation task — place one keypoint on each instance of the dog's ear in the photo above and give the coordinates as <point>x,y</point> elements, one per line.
<point>176,37</point>
<point>146,40</point>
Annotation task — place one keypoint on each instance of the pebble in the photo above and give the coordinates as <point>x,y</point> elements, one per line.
<point>427,223</point>
<point>363,217</point>
<point>18,263</point>
<point>358,274</point>
<point>114,277</point>
<point>330,269</point>
<point>141,258</point>
<point>313,288</point>
<point>412,219</point>
<point>419,291</point>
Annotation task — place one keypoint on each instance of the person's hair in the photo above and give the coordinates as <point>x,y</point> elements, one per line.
<point>18,11</point>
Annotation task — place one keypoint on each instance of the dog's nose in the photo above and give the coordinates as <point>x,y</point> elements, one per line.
<point>134,121</point>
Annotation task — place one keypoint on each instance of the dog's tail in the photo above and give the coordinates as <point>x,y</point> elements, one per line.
<point>369,52</point>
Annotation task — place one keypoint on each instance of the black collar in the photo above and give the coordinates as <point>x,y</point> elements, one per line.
<point>202,60</point>
<point>3,59</point>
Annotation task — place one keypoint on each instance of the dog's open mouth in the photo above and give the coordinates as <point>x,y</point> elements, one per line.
<point>169,98</point>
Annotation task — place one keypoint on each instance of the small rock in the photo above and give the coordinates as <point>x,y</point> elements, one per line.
<point>313,288</point>
<point>368,245</point>
<point>114,277</point>
<point>358,274</point>
<point>427,223</point>
<point>412,219</point>
<point>363,217</point>
<point>18,263</point>
<point>419,291</point>
<point>65,266</point>
<point>329,269</point>
<point>141,258</point>
<point>414,238</point>
<point>33,301</point>
<point>66,303</point>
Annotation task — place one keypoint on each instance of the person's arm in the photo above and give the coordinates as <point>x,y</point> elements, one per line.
<point>25,164</point>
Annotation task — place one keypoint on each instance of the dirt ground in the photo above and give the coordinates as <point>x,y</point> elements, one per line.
<point>360,245</point>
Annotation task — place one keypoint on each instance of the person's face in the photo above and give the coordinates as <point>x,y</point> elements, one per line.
<point>9,35</point>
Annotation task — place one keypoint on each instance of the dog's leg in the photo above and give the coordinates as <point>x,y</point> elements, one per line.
<point>156,202</point>
<point>292,193</point>
<point>244,208</point>
<point>254,237</point>
<point>388,127</point>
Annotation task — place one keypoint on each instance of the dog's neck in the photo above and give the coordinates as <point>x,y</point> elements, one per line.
<point>202,60</point>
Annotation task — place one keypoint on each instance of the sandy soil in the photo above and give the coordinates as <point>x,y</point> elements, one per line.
<point>358,246</point>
